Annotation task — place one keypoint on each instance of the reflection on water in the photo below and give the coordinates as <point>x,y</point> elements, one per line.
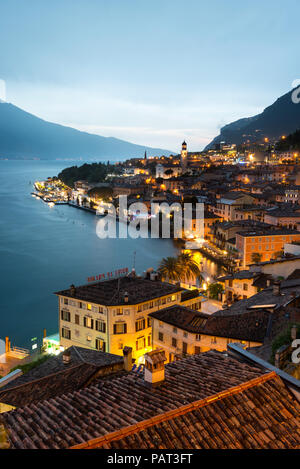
<point>210,269</point>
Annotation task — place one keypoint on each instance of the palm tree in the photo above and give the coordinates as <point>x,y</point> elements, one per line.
<point>188,267</point>
<point>169,269</point>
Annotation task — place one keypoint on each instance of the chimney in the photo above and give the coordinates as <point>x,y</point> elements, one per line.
<point>155,367</point>
<point>276,288</point>
<point>294,332</point>
<point>126,297</point>
<point>66,357</point>
<point>72,290</point>
<point>127,354</point>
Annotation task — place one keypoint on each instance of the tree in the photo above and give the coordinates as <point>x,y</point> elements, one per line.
<point>169,269</point>
<point>215,289</point>
<point>256,257</point>
<point>188,266</point>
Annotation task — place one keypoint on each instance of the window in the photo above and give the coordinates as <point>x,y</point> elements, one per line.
<point>120,328</point>
<point>139,308</point>
<point>175,330</point>
<point>119,312</point>
<point>213,340</point>
<point>149,321</point>
<point>149,340</point>
<point>160,337</point>
<point>77,319</point>
<point>66,333</point>
<point>100,326</point>
<point>245,286</point>
<point>100,345</point>
<point>197,350</point>
<point>88,322</point>
<point>140,324</point>
<point>140,343</point>
<point>163,301</point>
<point>174,342</point>
<point>65,316</point>
<point>101,309</point>
<point>185,334</point>
<point>66,301</point>
<point>184,347</point>
<point>89,306</point>
<point>198,337</point>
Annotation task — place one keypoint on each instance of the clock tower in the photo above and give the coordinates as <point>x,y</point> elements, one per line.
<point>184,156</point>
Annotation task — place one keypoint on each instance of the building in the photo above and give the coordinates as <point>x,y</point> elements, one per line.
<point>71,370</point>
<point>282,217</point>
<point>184,156</point>
<point>263,242</point>
<point>242,284</point>
<point>213,400</point>
<point>181,331</point>
<point>230,202</point>
<point>112,314</point>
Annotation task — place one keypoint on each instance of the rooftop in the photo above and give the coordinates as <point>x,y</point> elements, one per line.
<point>250,326</point>
<point>259,414</point>
<point>112,292</point>
<point>54,377</point>
<point>122,400</point>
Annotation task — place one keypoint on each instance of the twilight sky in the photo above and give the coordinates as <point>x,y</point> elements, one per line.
<point>151,72</point>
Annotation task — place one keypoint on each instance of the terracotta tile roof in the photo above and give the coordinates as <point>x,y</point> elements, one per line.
<point>116,402</point>
<point>107,292</point>
<point>249,326</point>
<point>53,377</point>
<point>182,317</point>
<point>260,414</point>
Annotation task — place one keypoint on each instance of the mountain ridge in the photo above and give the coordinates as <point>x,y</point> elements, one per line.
<point>282,117</point>
<point>26,136</point>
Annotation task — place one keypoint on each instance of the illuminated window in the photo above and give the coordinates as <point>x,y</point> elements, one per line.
<point>140,324</point>
<point>88,322</point>
<point>140,343</point>
<point>120,328</point>
<point>89,306</point>
<point>100,345</point>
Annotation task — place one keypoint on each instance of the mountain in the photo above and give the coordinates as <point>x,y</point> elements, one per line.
<point>25,136</point>
<point>281,118</point>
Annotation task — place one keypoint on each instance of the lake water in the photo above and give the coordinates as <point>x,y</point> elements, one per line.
<point>45,249</point>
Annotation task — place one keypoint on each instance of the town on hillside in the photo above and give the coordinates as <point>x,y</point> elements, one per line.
<point>173,343</point>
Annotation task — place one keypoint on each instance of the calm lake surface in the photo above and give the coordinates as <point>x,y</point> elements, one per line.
<point>45,249</point>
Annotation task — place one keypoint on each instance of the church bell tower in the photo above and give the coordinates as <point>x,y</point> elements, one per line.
<point>184,156</point>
